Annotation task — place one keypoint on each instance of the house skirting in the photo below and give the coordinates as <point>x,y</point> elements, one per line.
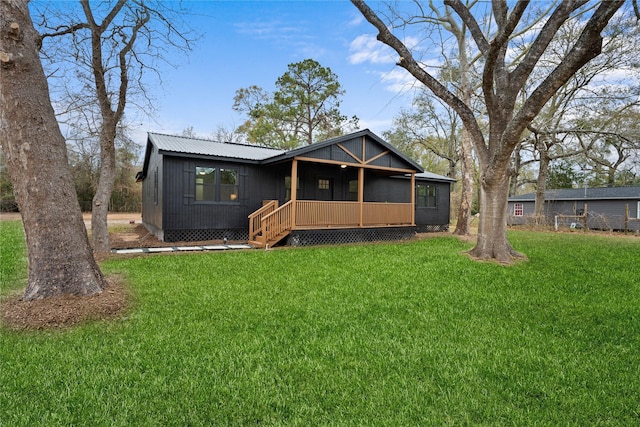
<point>432,228</point>
<point>348,235</point>
<point>199,235</point>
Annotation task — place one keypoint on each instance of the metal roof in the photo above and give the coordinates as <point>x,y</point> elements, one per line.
<point>433,177</point>
<point>259,154</point>
<point>181,144</point>
<point>584,194</point>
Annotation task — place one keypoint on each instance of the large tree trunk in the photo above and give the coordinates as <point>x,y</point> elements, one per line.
<point>100,207</point>
<point>463,225</point>
<point>60,257</point>
<point>492,230</point>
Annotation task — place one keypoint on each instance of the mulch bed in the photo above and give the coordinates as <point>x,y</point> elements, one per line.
<point>64,311</point>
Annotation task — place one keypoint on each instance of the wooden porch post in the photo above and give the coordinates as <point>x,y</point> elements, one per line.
<point>361,194</point>
<point>413,198</point>
<point>294,191</point>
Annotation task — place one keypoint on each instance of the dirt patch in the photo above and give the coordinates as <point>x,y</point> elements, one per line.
<point>130,236</point>
<point>64,311</point>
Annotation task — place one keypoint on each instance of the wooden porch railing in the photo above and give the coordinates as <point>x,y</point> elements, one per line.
<point>276,225</point>
<point>271,223</point>
<point>375,213</point>
<point>255,219</point>
<point>314,213</point>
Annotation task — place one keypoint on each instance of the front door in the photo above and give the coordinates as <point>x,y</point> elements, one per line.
<point>324,188</point>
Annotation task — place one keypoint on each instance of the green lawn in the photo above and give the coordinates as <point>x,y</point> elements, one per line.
<point>389,334</point>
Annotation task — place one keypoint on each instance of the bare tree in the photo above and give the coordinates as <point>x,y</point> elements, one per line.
<point>503,80</point>
<point>224,133</point>
<point>429,132</point>
<point>112,46</point>
<point>60,257</point>
<point>593,101</point>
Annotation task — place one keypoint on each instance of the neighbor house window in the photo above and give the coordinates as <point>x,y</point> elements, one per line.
<point>426,196</point>
<point>638,211</point>
<point>216,185</point>
<point>323,184</point>
<point>518,209</point>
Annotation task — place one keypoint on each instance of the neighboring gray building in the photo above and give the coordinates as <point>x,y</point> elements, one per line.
<point>353,188</point>
<point>606,207</point>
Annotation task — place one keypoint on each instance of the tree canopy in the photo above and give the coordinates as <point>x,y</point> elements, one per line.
<point>511,97</point>
<point>304,108</point>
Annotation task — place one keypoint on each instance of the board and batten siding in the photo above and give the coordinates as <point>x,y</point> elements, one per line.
<point>435,216</point>
<point>183,212</point>
<point>152,194</point>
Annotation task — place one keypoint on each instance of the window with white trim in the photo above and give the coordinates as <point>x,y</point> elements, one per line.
<point>518,209</point>
<point>638,211</point>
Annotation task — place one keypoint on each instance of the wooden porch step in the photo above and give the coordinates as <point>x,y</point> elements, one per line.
<point>256,244</point>
<point>271,242</point>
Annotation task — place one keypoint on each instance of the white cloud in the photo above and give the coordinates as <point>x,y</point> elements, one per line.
<point>357,20</point>
<point>399,81</point>
<point>366,48</point>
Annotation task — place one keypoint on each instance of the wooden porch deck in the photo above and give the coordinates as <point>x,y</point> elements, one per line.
<point>272,223</point>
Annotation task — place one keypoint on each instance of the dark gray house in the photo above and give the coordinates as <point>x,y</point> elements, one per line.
<point>353,188</point>
<point>606,208</point>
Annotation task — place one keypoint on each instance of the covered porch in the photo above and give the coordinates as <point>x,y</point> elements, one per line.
<point>361,171</point>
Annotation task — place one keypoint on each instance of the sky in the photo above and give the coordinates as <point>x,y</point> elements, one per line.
<point>246,43</point>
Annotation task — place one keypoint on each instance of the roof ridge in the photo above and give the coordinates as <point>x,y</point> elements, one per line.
<point>215,141</point>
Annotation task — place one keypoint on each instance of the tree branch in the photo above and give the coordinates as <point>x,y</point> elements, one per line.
<point>409,63</point>
<point>471,23</point>
<point>586,48</point>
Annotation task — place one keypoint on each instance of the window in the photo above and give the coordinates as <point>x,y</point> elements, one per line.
<point>323,184</point>
<point>426,196</point>
<point>518,209</point>
<point>155,186</point>
<point>353,189</point>
<point>205,184</point>
<point>228,185</point>
<point>287,186</point>
<point>638,211</point>
<point>216,185</point>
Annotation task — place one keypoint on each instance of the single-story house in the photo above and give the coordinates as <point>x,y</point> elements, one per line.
<point>352,188</point>
<point>606,208</point>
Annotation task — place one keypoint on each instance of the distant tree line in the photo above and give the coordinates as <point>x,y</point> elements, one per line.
<point>84,163</point>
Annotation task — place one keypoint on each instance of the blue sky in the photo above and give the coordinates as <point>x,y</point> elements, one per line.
<point>248,43</point>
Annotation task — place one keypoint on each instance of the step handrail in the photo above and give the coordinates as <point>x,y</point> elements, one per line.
<point>276,224</point>
<point>255,219</point>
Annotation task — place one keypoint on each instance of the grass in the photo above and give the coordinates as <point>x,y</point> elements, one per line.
<point>389,334</point>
